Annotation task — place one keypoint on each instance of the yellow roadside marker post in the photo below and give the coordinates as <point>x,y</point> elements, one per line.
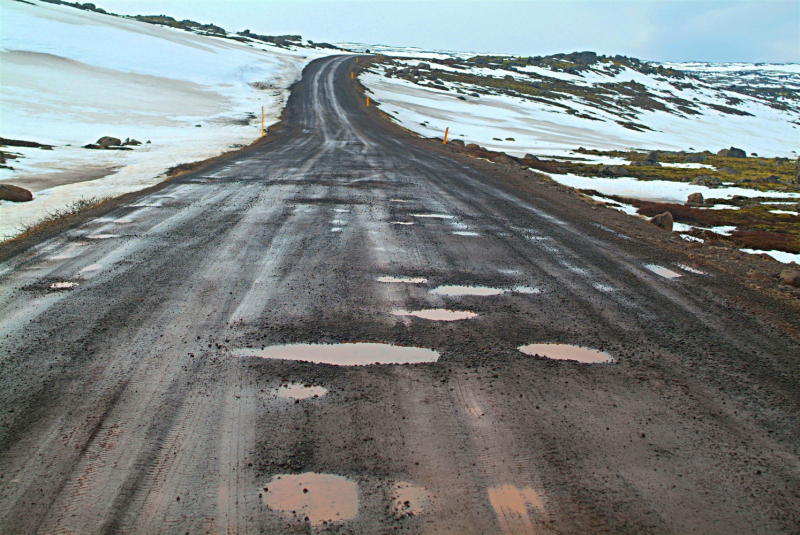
<point>356,59</point>
<point>351,75</point>
<point>367,101</point>
<point>446,130</point>
<point>262,121</point>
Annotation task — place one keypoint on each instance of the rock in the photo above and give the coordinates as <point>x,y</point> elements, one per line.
<point>651,157</point>
<point>723,152</point>
<point>108,141</point>
<point>695,158</point>
<point>797,171</point>
<point>662,220</point>
<point>790,277</point>
<point>733,152</point>
<point>695,199</point>
<point>426,66</point>
<point>613,170</point>
<point>510,139</point>
<point>14,193</point>
<point>504,159</point>
<point>461,98</point>
<point>473,146</point>
<point>530,157</point>
<point>132,142</point>
<point>457,142</point>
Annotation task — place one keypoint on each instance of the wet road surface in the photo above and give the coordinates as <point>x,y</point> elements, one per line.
<point>140,392</point>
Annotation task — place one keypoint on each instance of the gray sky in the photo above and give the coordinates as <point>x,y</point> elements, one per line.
<point>666,30</point>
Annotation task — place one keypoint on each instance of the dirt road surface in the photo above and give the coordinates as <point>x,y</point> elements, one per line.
<point>137,394</point>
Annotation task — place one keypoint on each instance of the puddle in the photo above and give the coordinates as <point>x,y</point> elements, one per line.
<point>509,271</point>
<point>315,498</point>
<point>120,221</point>
<point>63,285</point>
<point>465,233</point>
<point>92,267</point>
<point>341,210</point>
<point>407,280</point>
<point>102,236</point>
<point>338,222</point>
<point>434,216</point>
<point>526,290</point>
<point>348,354</point>
<point>510,504</point>
<point>438,314</point>
<point>690,269</point>
<point>409,499</point>
<point>336,229</point>
<point>402,223</point>
<point>399,200</point>
<point>567,352</point>
<point>300,391</point>
<point>467,290</point>
<point>664,272</point>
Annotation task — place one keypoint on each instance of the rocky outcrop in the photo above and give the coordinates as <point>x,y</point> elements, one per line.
<point>790,277</point>
<point>664,221</point>
<point>456,143</point>
<point>130,141</point>
<point>14,193</point>
<point>613,170</point>
<point>704,180</point>
<point>732,152</point>
<point>695,158</point>
<point>505,159</point>
<point>108,141</point>
<point>695,199</point>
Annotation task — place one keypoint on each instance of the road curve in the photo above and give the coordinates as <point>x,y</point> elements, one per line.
<point>130,402</point>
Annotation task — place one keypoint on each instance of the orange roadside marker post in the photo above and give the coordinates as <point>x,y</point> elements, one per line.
<point>446,130</point>
<point>367,101</point>
<point>262,121</point>
<point>351,75</point>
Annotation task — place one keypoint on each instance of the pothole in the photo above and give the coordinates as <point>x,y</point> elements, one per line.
<point>336,229</point>
<point>567,352</point>
<point>690,269</point>
<point>409,499</point>
<point>407,280</point>
<point>434,216</point>
<point>102,236</point>
<point>300,391</point>
<point>526,290</point>
<point>511,505</point>
<point>63,285</point>
<point>311,497</point>
<point>664,272</point>
<point>402,223</point>
<point>92,267</point>
<point>438,314</point>
<point>465,233</point>
<point>347,354</point>
<point>467,290</point>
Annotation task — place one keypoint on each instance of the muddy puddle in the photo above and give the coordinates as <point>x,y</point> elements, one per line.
<point>467,290</point>
<point>406,280</point>
<point>409,499</point>
<point>300,391</point>
<point>63,285</point>
<point>691,269</point>
<point>348,354</point>
<point>438,314</point>
<point>512,504</point>
<point>567,352</point>
<point>664,272</point>
<point>314,498</point>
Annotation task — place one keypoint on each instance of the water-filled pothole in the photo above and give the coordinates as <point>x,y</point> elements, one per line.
<point>467,290</point>
<point>511,504</point>
<point>92,267</point>
<point>434,216</point>
<point>567,352</point>
<point>526,290</point>
<point>63,285</point>
<point>347,354</point>
<point>465,233</point>
<point>409,499</point>
<point>102,236</point>
<point>407,280</point>
<point>691,269</point>
<point>438,314</point>
<point>336,229</point>
<point>402,223</point>
<point>664,272</point>
<point>315,498</point>
<point>300,391</point>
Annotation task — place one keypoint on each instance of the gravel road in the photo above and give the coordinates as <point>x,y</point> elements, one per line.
<point>139,393</point>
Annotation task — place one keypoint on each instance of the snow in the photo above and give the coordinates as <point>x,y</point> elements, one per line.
<point>71,76</point>
<point>780,256</point>
<point>660,190</point>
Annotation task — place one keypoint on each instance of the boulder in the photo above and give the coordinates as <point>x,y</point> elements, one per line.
<point>790,277</point>
<point>510,139</point>
<point>14,193</point>
<point>457,142</point>
<point>426,66</point>
<point>530,157</point>
<point>652,157</point>
<point>613,170</point>
<point>473,146</point>
<point>695,199</point>
<point>733,152</point>
<point>664,221</point>
<point>504,159</point>
<point>133,142</point>
<point>108,141</point>
<point>695,158</point>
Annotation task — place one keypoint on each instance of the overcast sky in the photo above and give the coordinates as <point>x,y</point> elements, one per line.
<point>666,30</point>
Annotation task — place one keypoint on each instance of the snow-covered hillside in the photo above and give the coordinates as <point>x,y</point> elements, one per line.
<point>71,76</point>
<point>602,104</point>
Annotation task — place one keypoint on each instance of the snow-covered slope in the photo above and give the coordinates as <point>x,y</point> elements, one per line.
<point>605,105</point>
<point>71,76</point>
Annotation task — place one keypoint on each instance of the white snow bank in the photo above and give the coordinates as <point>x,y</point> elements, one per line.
<point>71,76</point>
